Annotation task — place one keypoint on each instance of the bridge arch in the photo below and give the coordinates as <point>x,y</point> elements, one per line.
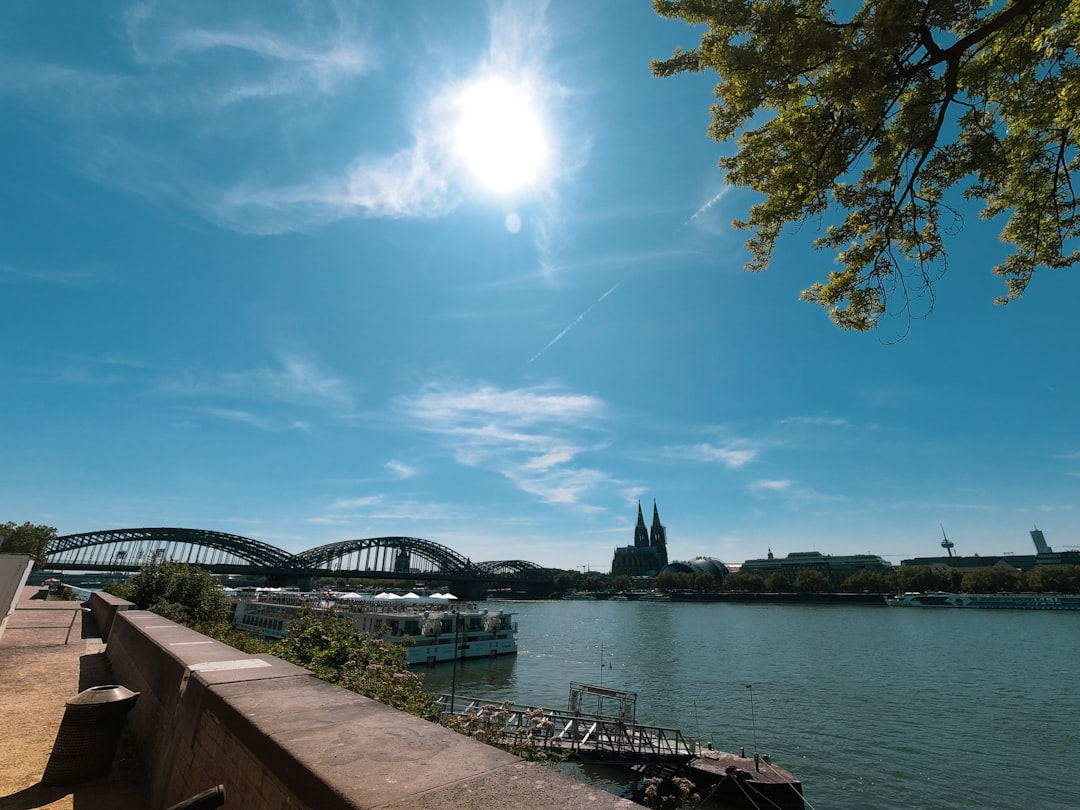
<point>404,555</point>
<point>522,568</point>
<point>124,548</point>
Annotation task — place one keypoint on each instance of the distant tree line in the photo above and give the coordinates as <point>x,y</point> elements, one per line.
<point>991,579</point>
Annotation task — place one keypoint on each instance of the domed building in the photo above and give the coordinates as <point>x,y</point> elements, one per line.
<point>699,565</point>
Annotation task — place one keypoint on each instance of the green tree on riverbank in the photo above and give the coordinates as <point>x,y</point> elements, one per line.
<point>329,645</point>
<point>27,539</point>
<point>185,594</point>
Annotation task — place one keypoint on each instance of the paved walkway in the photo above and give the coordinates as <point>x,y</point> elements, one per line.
<point>48,654</point>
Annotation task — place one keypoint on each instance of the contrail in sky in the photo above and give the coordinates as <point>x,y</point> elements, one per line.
<point>575,322</point>
<point>708,205</point>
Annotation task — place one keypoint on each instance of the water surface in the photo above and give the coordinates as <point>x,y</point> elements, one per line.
<point>871,707</point>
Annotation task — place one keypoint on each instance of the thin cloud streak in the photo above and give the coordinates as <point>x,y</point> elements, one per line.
<point>297,382</point>
<point>713,201</point>
<point>575,322</point>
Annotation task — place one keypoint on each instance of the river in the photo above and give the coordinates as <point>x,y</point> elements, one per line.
<point>870,707</point>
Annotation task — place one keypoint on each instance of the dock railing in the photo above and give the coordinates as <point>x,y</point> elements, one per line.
<point>567,733</point>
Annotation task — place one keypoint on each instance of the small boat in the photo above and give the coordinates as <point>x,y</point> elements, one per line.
<point>653,596</point>
<point>433,631</point>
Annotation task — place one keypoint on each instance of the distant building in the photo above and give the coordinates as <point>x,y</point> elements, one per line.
<point>700,565</point>
<point>835,568</point>
<point>1044,555</point>
<point>648,556</point>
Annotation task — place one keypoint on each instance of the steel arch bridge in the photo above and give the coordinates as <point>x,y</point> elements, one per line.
<point>404,555</point>
<point>123,549</point>
<point>127,550</point>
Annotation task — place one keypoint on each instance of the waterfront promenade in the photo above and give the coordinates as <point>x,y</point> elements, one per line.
<point>274,735</point>
<point>50,651</point>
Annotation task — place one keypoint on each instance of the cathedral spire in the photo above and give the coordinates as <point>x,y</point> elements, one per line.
<point>641,534</point>
<point>658,534</point>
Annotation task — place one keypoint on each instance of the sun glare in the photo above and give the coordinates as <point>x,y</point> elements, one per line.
<point>499,136</point>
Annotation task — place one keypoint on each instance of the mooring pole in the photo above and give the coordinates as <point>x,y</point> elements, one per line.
<point>753,723</point>
<point>453,677</point>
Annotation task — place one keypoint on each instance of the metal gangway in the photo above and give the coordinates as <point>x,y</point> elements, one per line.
<point>571,732</point>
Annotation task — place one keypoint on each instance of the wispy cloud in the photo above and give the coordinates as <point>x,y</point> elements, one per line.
<point>400,471</point>
<point>294,381</point>
<point>774,485</point>
<point>534,437</point>
<point>10,274</point>
<point>733,456</point>
<point>380,508</point>
<point>815,421</point>
<point>268,424</point>
<point>238,114</point>
<point>311,51</point>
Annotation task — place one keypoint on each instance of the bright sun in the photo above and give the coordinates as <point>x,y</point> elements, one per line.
<point>499,136</point>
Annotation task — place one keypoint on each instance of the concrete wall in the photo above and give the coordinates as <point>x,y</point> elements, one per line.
<point>277,737</point>
<point>14,569</point>
<point>104,607</point>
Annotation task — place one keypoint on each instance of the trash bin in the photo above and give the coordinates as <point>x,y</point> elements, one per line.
<point>89,735</point>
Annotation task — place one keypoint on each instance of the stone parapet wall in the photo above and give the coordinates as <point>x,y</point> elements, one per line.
<point>278,737</point>
<point>104,607</point>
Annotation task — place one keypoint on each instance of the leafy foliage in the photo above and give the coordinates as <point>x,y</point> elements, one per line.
<point>1054,579</point>
<point>330,646</point>
<point>878,116</point>
<point>670,793</point>
<point>811,581</point>
<point>871,582</point>
<point>777,583</point>
<point>27,539</point>
<point>489,725</point>
<point>744,581</point>
<point>699,581</point>
<point>990,579</point>
<point>182,593</point>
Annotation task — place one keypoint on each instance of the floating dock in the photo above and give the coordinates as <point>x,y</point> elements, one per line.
<point>735,779</point>
<point>599,725</point>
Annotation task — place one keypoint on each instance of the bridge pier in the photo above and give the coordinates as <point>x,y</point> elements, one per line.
<point>470,590</point>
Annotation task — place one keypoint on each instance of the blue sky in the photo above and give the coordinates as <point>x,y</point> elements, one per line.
<point>278,270</point>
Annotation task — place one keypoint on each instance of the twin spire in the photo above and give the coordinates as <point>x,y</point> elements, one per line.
<point>654,537</point>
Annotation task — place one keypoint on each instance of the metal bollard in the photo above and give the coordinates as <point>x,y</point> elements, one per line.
<point>89,735</point>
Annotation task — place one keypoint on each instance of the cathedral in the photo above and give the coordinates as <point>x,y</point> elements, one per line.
<point>648,556</point>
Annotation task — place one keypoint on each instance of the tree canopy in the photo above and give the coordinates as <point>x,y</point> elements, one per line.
<point>182,593</point>
<point>882,120</point>
<point>330,646</point>
<point>27,539</point>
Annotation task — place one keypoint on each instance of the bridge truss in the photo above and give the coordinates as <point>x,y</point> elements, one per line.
<point>126,550</point>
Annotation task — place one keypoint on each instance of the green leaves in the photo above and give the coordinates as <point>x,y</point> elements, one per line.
<point>179,592</point>
<point>330,646</point>
<point>881,124</point>
<point>27,539</point>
